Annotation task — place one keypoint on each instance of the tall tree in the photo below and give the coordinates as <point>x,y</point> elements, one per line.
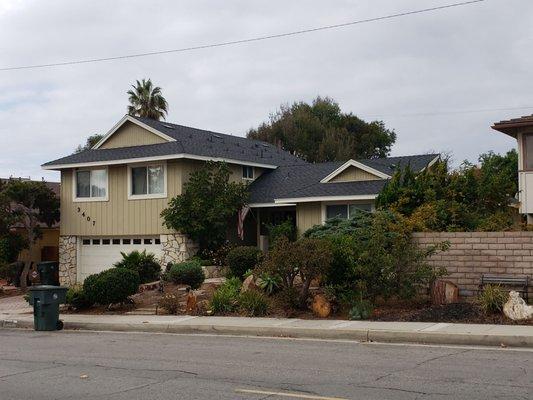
<point>147,101</point>
<point>321,132</point>
<point>89,143</point>
<point>31,205</point>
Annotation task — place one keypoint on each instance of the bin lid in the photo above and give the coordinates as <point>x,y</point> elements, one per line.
<point>46,287</point>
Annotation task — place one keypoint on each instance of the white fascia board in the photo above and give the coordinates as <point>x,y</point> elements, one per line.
<point>264,205</point>
<point>357,164</point>
<point>129,118</point>
<point>156,158</point>
<point>326,198</point>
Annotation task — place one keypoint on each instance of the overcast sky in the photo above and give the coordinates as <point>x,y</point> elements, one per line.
<point>403,71</point>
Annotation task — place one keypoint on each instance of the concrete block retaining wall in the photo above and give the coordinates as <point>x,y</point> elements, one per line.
<point>472,254</point>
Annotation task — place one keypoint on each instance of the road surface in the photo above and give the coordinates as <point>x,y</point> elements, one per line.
<point>94,365</point>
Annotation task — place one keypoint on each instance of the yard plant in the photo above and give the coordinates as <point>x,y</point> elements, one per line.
<point>226,298</point>
<point>492,298</point>
<point>187,273</point>
<point>206,205</point>
<point>374,256</point>
<point>111,286</point>
<point>241,259</point>
<point>145,264</point>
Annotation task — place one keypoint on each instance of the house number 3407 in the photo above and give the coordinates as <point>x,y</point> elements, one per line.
<point>86,217</point>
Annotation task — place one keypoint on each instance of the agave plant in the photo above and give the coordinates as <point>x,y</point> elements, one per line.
<point>269,283</point>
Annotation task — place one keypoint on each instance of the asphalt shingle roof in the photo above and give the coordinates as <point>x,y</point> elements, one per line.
<point>296,181</point>
<point>189,141</point>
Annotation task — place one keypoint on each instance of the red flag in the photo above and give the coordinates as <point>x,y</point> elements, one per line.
<point>240,225</point>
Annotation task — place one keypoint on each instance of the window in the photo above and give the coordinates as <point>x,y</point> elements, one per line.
<point>86,242</point>
<point>96,242</point>
<point>528,151</point>
<point>147,181</point>
<point>247,172</point>
<point>116,241</point>
<point>91,184</point>
<point>106,241</point>
<point>346,210</point>
<point>126,241</point>
<point>137,241</point>
<point>147,241</point>
<point>337,211</point>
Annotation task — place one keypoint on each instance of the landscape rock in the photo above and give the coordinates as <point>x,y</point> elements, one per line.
<point>248,284</point>
<point>516,308</point>
<point>321,306</point>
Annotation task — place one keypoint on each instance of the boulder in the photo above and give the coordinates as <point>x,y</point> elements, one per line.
<point>516,308</point>
<point>248,284</point>
<point>321,306</point>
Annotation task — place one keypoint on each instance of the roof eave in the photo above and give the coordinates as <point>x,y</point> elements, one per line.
<point>58,167</point>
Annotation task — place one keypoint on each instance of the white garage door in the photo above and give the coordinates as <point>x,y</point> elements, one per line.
<point>98,254</point>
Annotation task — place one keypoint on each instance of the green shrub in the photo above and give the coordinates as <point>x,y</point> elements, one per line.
<point>285,229</point>
<point>145,264</point>
<point>269,283</point>
<point>243,258</point>
<point>77,298</point>
<point>492,299</point>
<point>187,273</point>
<point>361,310</point>
<point>226,297</point>
<point>111,286</point>
<point>169,302</point>
<point>253,303</point>
<point>375,253</point>
<point>308,258</point>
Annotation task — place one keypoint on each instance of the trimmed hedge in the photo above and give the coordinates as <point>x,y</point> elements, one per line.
<point>243,258</point>
<point>77,298</point>
<point>111,286</point>
<point>187,273</point>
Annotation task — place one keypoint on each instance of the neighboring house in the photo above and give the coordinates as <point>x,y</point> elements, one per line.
<point>522,130</point>
<point>112,195</point>
<point>47,247</point>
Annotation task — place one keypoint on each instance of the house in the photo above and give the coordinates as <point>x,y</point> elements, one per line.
<point>521,129</point>
<point>47,246</point>
<point>112,195</point>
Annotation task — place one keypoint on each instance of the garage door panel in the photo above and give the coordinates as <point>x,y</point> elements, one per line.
<point>98,254</point>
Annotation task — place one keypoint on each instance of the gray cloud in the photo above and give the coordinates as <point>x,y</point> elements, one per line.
<point>474,57</point>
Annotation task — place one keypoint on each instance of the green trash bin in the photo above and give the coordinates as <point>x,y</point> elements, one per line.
<point>45,300</point>
<point>48,272</point>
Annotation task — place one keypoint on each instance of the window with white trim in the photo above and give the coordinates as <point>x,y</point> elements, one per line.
<point>247,172</point>
<point>91,184</point>
<point>147,180</point>
<point>345,211</point>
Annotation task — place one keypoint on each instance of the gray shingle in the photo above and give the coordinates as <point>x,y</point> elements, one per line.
<point>304,180</point>
<point>190,141</point>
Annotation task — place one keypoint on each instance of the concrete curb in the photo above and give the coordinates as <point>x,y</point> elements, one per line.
<point>363,335</point>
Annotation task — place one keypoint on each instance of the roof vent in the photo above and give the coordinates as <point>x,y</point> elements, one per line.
<point>217,136</point>
<point>168,126</point>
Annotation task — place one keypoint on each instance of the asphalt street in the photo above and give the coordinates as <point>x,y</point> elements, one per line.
<point>95,365</point>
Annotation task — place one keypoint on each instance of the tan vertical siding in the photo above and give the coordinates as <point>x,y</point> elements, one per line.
<point>131,134</point>
<point>307,216</point>
<point>118,215</point>
<point>351,174</point>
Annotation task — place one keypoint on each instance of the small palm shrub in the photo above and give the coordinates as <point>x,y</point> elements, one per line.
<point>225,299</point>
<point>243,258</point>
<point>145,264</point>
<point>170,303</point>
<point>253,303</point>
<point>111,286</point>
<point>492,299</point>
<point>187,273</point>
<point>77,298</point>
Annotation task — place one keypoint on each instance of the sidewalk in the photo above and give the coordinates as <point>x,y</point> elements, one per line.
<point>391,332</point>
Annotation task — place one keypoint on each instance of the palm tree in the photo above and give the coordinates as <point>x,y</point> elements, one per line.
<point>147,101</point>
